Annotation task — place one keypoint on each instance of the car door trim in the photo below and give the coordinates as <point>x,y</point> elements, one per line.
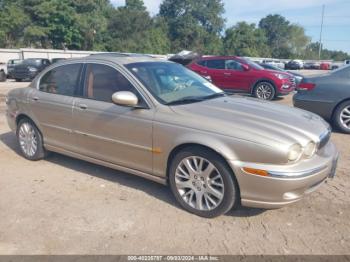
<point>160,180</point>
<point>57,127</point>
<point>144,148</point>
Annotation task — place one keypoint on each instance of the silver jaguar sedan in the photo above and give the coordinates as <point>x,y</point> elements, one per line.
<point>161,121</point>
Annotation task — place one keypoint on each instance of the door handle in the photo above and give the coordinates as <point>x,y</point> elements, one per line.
<point>83,106</point>
<point>203,72</point>
<point>227,74</point>
<point>35,98</point>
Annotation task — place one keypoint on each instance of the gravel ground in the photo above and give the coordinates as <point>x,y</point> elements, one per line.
<point>66,206</point>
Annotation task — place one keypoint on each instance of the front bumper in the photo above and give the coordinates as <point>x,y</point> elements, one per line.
<point>287,184</point>
<point>286,88</point>
<point>24,75</point>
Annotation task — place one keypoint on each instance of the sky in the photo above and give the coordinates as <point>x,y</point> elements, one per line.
<point>306,13</point>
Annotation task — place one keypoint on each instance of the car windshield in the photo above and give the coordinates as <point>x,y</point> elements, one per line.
<point>15,62</point>
<point>172,83</point>
<point>252,64</point>
<point>31,61</point>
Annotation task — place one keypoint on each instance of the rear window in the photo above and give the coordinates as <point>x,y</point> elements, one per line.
<point>62,80</point>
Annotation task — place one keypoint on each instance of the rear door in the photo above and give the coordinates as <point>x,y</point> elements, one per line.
<point>112,133</point>
<point>51,104</point>
<point>216,71</point>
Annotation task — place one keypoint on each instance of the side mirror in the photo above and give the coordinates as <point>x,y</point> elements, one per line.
<point>125,98</point>
<point>245,67</point>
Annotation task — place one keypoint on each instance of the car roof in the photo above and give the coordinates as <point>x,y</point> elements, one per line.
<point>218,57</point>
<point>117,58</point>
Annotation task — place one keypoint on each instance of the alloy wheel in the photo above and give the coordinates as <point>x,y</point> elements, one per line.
<point>199,183</point>
<point>28,139</point>
<point>345,117</point>
<point>264,91</point>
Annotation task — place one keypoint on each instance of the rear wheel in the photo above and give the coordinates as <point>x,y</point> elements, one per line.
<point>202,182</point>
<point>30,140</point>
<point>264,90</point>
<point>341,117</point>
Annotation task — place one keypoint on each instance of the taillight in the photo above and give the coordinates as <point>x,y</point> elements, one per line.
<point>306,86</point>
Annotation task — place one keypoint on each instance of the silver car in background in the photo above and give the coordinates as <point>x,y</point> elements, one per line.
<point>159,120</point>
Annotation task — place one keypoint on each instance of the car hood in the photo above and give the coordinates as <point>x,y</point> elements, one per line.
<point>274,72</point>
<point>254,120</point>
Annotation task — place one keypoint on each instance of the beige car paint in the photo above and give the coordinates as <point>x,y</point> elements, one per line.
<point>244,131</point>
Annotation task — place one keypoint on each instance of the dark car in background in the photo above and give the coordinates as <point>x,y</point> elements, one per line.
<point>294,65</point>
<point>29,68</point>
<point>11,66</point>
<point>237,74</point>
<point>327,96</point>
<point>312,65</point>
<point>298,77</point>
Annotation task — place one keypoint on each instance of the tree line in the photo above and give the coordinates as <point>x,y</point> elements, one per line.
<point>180,24</point>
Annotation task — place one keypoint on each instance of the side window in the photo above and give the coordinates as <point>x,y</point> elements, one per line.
<point>62,80</point>
<point>216,64</point>
<point>202,63</point>
<point>233,65</point>
<point>103,81</point>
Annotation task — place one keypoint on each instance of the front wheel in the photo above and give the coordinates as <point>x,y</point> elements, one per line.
<point>202,183</point>
<point>30,140</point>
<point>341,117</point>
<point>265,91</point>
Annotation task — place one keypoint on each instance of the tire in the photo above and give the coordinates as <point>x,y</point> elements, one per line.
<point>264,90</point>
<point>2,76</point>
<point>30,140</point>
<point>187,187</point>
<point>341,117</point>
<point>18,80</point>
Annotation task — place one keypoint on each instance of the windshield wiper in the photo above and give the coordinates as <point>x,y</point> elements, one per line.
<point>190,99</point>
<point>185,100</point>
<point>214,95</point>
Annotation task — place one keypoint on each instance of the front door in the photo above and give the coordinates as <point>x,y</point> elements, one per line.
<point>235,76</point>
<point>105,131</point>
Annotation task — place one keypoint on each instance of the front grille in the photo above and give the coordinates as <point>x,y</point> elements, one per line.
<point>324,138</point>
<point>21,72</point>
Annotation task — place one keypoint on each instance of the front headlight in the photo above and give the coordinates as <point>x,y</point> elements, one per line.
<point>281,76</point>
<point>310,149</point>
<point>295,152</point>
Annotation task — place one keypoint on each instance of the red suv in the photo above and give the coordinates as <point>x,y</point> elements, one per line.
<point>232,73</point>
